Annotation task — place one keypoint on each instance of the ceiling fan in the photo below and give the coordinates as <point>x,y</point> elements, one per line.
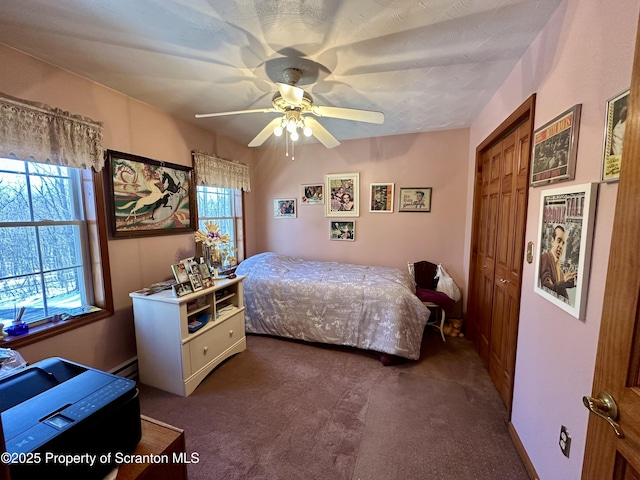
<point>297,109</point>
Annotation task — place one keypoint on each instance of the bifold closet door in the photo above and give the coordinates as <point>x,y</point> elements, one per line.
<point>512,206</point>
<point>497,250</point>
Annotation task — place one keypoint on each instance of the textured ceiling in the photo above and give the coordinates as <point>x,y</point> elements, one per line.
<point>427,65</point>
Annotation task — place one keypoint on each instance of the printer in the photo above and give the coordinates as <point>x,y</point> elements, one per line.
<point>60,418</point>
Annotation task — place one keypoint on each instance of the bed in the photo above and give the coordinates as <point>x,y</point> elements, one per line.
<point>367,307</point>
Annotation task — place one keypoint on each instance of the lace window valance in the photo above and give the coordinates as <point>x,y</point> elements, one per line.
<point>37,132</point>
<point>216,172</point>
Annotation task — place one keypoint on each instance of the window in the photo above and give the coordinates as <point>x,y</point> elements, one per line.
<point>53,244</point>
<point>43,239</point>
<point>224,207</point>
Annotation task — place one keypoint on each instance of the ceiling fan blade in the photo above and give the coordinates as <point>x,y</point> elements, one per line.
<point>321,133</point>
<point>236,112</point>
<point>265,133</point>
<point>291,93</point>
<point>348,114</point>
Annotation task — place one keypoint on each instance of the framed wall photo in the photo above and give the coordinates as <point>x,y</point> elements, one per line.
<point>343,230</point>
<point>147,197</point>
<point>414,199</point>
<point>555,147</point>
<point>312,194</point>
<point>344,192</point>
<point>284,208</point>
<point>381,197</point>
<point>564,249</point>
<point>615,123</point>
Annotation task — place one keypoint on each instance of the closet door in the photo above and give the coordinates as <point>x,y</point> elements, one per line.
<point>489,202</point>
<point>497,248</point>
<point>509,258</point>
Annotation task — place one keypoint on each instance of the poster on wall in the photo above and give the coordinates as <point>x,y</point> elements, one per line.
<point>312,194</point>
<point>615,123</point>
<point>381,197</point>
<point>564,253</point>
<point>344,192</point>
<point>414,199</point>
<point>284,208</point>
<point>147,197</point>
<point>343,230</point>
<point>555,147</point>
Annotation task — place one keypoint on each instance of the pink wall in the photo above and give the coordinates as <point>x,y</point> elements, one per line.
<point>437,159</point>
<point>584,55</point>
<point>132,127</point>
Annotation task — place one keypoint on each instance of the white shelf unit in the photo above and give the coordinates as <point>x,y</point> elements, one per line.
<point>169,356</point>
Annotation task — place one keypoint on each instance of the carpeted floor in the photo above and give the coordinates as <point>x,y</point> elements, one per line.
<point>287,410</point>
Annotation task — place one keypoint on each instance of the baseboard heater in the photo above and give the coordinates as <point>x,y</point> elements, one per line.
<point>128,369</point>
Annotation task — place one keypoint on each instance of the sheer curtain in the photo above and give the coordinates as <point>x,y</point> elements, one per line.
<point>212,171</point>
<point>36,132</point>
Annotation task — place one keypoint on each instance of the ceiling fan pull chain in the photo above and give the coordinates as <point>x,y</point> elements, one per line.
<point>286,143</point>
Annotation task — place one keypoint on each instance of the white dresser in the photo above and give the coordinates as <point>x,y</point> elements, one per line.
<point>169,356</point>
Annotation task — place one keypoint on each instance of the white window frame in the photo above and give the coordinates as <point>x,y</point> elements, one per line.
<point>81,244</point>
<point>236,215</point>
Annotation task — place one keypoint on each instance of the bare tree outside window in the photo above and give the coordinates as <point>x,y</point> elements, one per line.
<point>42,239</point>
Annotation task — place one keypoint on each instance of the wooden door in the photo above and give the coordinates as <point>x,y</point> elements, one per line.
<point>490,178</point>
<point>617,370</point>
<point>513,196</point>
<point>500,206</point>
<point>499,316</point>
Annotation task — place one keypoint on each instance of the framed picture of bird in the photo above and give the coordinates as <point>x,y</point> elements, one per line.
<point>146,197</point>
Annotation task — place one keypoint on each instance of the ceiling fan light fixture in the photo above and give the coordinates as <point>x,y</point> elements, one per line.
<point>293,103</point>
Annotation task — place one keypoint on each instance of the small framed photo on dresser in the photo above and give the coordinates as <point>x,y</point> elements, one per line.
<point>180,272</point>
<point>181,289</point>
<point>196,281</point>
<point>204,270</point>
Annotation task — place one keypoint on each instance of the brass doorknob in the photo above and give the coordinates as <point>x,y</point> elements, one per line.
<point>605,407</point>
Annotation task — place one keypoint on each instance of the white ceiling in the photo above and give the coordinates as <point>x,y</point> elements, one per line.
<point>426,64</point>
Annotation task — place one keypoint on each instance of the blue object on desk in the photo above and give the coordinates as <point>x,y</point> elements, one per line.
<point>17,329</point>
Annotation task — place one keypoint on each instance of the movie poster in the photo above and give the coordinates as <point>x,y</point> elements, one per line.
<point>566,218</point>
<point>554,149</point>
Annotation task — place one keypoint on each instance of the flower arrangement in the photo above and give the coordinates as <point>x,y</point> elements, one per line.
<point>215,246</point>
